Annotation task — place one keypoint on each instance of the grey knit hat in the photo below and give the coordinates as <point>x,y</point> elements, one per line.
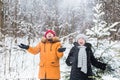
<point>81,36</point>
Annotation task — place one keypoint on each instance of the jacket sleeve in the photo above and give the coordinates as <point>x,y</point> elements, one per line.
<point>34,50</point>
<point>96,63</point>
<point>59,54</point>
<point>69,59</point>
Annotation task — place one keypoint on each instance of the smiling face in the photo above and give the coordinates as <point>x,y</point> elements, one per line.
<point>49,35</point>
<point>81,41</point>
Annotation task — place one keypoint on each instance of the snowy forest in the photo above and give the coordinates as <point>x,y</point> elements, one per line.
<point>25,21</point>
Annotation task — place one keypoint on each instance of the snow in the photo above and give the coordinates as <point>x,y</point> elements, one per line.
<point>18,64</point>
<point>109,78</point>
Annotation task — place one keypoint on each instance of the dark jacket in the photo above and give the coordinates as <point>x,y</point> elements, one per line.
<point>72,59</point>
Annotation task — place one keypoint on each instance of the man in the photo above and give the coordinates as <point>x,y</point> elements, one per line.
<point>50,52</point>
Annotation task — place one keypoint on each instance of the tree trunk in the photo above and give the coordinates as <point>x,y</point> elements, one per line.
<point>16,18</point>
<point>1,18</point>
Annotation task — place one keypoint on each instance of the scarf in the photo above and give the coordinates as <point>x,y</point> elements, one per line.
<point>82,59</point>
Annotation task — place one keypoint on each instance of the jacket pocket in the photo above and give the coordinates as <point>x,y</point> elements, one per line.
<point>41,64</point>
<point>54,63</point>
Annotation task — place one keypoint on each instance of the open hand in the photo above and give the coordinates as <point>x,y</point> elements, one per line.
<point>23,46</point>
<point>61,49</point>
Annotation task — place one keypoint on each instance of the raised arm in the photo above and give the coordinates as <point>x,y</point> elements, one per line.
<point>34,50</point>
<point>59,51</point>
<point>96,63</point>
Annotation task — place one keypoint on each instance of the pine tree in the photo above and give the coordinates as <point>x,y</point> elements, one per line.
<point>103,48</point>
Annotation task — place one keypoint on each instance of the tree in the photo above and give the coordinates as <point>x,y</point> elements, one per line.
<point>103,48</point>
<point>1,17</point>
<point>111,9</point>
<point>101,30</point>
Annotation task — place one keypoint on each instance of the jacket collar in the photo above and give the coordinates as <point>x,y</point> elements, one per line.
<point>86,44</point>
<point>54,39</point>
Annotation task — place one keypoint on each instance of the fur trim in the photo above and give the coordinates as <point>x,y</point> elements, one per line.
<point>54,39</point>
<point>43,39</point>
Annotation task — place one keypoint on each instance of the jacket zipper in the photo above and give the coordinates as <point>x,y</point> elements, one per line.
<point>51,47</point>
<point>44,47</point>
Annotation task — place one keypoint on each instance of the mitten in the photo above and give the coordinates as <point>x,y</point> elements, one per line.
<point>61,49</point>
<point>103,67</point>
<point>109,68</point>
<point>23,46</point>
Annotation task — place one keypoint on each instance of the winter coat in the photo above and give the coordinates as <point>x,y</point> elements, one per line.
<point>49,58</point>
<point>72,59</point>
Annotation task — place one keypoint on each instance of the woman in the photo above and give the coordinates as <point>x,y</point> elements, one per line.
<point>50,53</point>
<point>81,58</point>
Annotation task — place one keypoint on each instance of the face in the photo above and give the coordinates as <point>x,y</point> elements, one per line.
<point>49,36</point>
<point>81,41</point>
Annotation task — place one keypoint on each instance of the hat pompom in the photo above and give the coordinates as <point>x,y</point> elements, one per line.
<point>50,31</point>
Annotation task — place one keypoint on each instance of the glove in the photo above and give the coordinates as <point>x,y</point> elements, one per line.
<point>109,68</point>
<point>103,67</point>
<point>61,49</point>
<point>23,46</point>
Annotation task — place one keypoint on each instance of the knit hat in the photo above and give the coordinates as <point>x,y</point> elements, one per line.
<point>50,31</point>
<point>81,36</point>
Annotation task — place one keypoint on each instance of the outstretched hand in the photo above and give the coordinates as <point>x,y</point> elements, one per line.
<point>61,49</point>
<point>104,66</point>
<point>23,46</point>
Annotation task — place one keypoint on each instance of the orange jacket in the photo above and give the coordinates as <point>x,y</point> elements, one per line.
<point>49,58</point>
